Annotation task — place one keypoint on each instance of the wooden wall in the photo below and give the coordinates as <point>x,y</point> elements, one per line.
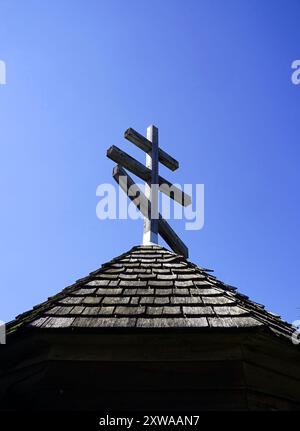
<point>197,371</point>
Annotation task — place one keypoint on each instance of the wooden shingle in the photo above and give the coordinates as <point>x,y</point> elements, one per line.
<point>150,287</point>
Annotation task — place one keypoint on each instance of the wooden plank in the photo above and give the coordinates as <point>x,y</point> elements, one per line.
<point>171,238</point>
<point>271,382</point>
<point>126,183</point>
<point>150,235</point>
<point>121,158</point>
<point>143,204</point>
<point>145,145</point>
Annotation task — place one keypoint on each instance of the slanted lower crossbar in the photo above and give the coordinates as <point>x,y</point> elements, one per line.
<point>136,195</point>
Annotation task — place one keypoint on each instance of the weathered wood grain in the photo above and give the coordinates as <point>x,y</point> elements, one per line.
<point>145,145</point>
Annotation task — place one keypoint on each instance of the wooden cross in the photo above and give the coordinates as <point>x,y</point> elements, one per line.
<point>147,203</point>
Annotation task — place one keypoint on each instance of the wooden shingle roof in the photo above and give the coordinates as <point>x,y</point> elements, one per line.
<point>150,287</point>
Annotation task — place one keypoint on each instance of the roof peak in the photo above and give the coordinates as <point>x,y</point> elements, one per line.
<point>150,287</point>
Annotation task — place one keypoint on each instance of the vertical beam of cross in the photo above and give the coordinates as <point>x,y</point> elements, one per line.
<point>151,189</point>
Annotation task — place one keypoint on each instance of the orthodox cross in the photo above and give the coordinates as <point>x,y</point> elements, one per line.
<point>147,202</point>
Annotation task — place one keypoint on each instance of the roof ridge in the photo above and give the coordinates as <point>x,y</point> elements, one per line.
<point>150,286</point>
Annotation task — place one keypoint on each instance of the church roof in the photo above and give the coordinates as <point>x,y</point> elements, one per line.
<point>150,287</point>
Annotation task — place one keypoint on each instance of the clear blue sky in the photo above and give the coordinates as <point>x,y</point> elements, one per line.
<point>214,76</point>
